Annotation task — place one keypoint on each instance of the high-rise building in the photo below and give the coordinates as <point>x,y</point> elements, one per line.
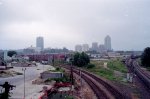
<point>107,43</point>
<point>85,47</point>
<point>5,55</point>
<point>40,43</point>
<point>78,48</point>
<point>102,48</point>
<point>95,46</point>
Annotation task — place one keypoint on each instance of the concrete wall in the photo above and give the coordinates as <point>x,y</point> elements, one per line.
<point>46,75</point>
<point>2,67</point>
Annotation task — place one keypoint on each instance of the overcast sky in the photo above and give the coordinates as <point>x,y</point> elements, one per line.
<point>70,22</point>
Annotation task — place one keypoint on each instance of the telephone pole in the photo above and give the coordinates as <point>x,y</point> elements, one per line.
<point>24,69</point>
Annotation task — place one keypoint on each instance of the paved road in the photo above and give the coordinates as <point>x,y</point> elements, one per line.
<point>31,73</point>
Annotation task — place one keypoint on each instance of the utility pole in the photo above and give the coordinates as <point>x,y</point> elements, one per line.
<point>71,73</point>
<point>81,83</point>
<point>71,76</point>
<point>24,69</point>
<point>53,60</point>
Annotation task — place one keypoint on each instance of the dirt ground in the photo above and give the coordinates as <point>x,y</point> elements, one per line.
<point>8,73</point>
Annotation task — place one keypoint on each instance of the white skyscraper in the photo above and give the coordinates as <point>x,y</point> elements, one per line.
<point>95,46</point>
<point>40,42</point>
<point>85,47</point>
<point>5,55</point>
<point>102,48</point>
<point>78,48</point>
<point>108,43</point>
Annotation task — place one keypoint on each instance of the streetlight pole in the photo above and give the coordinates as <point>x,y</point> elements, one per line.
<point>53,60</point>
<point>43,67</point>
<point>24,69</point>
<point>71,75</point>
<point>71,72</point>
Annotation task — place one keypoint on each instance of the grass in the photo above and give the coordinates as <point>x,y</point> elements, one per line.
<point>117,65</point>
<point>69,97</point>
<point>99,70</point>
<point>63,79</point>
<point>58,69</point>
<point>108,73</point>
<point>139,61</point>
<point>57,62</point>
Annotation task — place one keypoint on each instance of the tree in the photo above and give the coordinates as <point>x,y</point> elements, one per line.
<point>11,53</point>
<point>81,59</point>
<point>145,59</point>
<point>65,50</point>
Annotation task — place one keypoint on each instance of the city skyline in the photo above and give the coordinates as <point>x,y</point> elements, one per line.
<point>90,45</point>
<point>96,46</point>
<point>67,23</point>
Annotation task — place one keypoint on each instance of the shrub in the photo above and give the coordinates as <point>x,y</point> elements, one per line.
<point>57,69</point>
<point>90,66</point>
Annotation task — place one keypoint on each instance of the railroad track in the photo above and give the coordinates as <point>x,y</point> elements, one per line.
<point>99,93</point>
<point>139,68</point>
<point>115,92</point>
<point>144,77</point>
<point>93,83</point>
<point>141,79</point>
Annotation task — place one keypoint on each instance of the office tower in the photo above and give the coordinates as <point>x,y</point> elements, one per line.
<point>102,48</point>
<point>85,47</point>
<point>108,43</point>
<point>40,43</point>
<point>5,55</point>
<point>78,48</point>
<point>95,46</point>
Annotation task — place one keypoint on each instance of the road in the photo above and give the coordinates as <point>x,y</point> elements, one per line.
<point>31,73</point>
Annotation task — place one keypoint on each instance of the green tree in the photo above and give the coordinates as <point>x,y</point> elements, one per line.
<point>145,59</point>
<point>11,53</point>
<point>75,58</point>
<point>81,59</point>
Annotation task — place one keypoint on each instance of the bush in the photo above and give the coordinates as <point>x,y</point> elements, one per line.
<point>63,79</point>
<point>19,73</point>
<point>57,69</point>
<point>90,66</point>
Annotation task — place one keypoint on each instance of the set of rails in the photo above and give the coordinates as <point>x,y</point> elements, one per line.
<point>94,81</point>
<point>136,69</point>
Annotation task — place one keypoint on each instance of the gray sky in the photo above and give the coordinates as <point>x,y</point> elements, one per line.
<point>70,22</point>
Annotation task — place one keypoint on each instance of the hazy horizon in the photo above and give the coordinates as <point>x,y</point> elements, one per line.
<point>65,23</point>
